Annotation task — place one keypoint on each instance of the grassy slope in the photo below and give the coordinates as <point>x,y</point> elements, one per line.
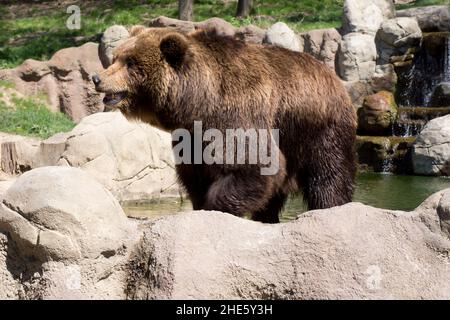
<point>33,31</point>
<point>29,116</point>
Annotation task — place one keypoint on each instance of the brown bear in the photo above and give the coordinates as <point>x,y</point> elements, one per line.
<point>170,79</point>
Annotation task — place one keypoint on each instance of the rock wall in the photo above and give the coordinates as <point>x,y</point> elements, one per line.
<point>132,160</point>
<point>64,80</point>
<point>348,252</point>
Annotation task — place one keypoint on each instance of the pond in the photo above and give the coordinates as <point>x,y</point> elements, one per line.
<point>387,191</point>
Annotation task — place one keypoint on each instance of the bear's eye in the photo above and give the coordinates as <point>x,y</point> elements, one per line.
<point>130,63</point>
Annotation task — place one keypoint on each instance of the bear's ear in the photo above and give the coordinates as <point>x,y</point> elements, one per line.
<point>174,48</point>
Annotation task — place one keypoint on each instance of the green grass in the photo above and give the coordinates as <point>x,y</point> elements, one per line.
<point>31,118</point>
<point>38,33</point>
<point>6,84</point>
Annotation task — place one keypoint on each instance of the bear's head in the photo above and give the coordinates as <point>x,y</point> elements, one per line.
<point>138,81</point>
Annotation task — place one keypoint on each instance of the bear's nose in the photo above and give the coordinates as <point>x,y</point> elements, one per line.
<point>96,79</point>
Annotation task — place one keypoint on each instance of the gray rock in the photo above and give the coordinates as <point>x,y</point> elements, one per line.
<point>378,114</point>
<point>220,26</point>
<point>441,95</point>
<point>58,213</point>
<point>207,255</point>
<point>366,16</point>
<point>132,160</point>
<point>111,39</point>
<point>348,252</point>
<point>356,57</point>
<point>281,35</point>
<point>358,90</point>
<point>251,34</point>
<point>181,26</point>
<point>431,151</point>
<point>323,45</point>
<point>396,36</point>
<point>384,79</point>
<point>430,18</point>
<point>64,80</point>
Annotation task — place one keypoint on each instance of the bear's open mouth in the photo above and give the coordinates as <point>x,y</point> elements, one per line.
<point>111,99</point>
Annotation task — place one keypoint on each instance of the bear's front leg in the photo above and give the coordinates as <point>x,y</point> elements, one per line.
<point>240,192</point>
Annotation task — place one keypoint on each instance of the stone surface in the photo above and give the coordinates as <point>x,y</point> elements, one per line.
<point>60,213</point>
<point>378,114</point>
<point>132,160</point>
<point>431,152</point>
<point>281,35</point>
<point>396,36</point>
<point>111,39</point>
<point>365,253</point>
<point>384,154</point>
<point>181,26</point>
<point>323,44</point>
<point>216,256</point>
<point>441,95</point>
<point>384,79</point>
<point>220,26</point>
<point>17,153</point>
<point>64,80</point>
<point>366,15</point>
<point>251,34</point>
<point>358,90</point>
<point>430,18</point>
<point>357,57</point>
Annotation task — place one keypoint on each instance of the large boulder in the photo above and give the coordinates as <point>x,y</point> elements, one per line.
<point>431,152</point>
<point>17,153</point>
<point>430,18</point>
<point>251,34</point>
<point>59,214</point>
<point>218,25</point>
<point>179,25</point>
<point>348,252</point>
<point>281,35</point>
<point>396,36</point>
<point>207,255</point>
<point>132,160</point>
<point>111,39</point>
<point>366,16</point>
<point>357,57</point>
<point>64,80</point>
<point>323,44</point>
<point>378,114</point>
<point>441,95</point>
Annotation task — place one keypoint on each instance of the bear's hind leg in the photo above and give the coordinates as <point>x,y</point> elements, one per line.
<point>239,193</point>
<point>271,212</point>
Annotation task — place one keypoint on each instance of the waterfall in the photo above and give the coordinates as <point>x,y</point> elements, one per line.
<point>447,61</point>
<point>430,68</point>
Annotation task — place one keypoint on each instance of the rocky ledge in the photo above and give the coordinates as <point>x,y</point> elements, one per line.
<point>64,236</point>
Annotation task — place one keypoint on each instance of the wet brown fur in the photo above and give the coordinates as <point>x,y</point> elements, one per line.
<point>176,79</point>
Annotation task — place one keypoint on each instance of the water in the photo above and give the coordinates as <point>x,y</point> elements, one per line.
<point>379,190</point>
